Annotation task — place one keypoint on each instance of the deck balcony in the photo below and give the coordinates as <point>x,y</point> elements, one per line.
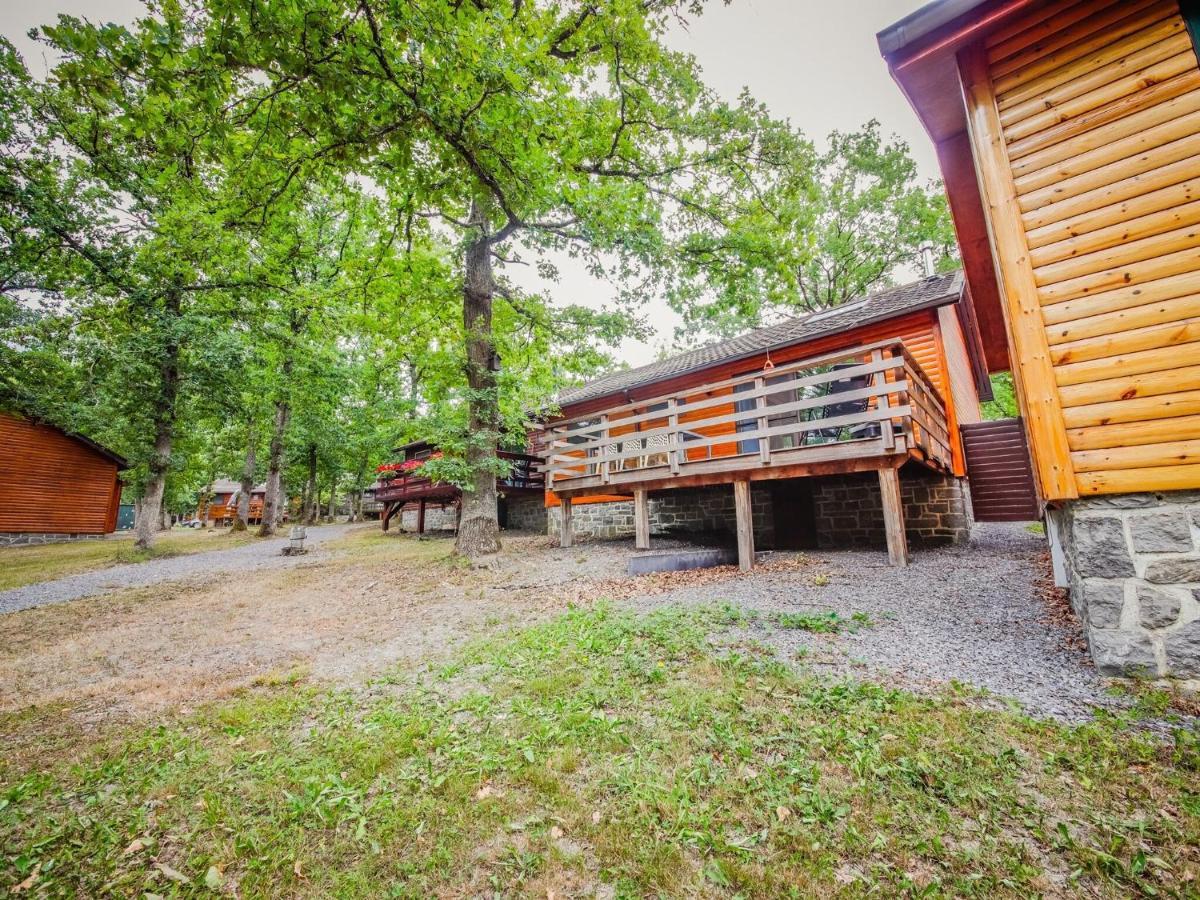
<point>869,407</point>
<point>524,477</point>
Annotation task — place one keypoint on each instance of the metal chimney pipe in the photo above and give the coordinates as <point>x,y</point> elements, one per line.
<point>927,259</point>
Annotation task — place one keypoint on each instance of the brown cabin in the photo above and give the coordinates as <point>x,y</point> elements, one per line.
<point>402,486</point>
<point>1068,135</point>
<point>873,386</point>
<point>220,502</point>
<point>54,483</point>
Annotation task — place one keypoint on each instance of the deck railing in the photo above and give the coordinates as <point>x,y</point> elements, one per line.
<point>524,475</point>
<point>871,400</point>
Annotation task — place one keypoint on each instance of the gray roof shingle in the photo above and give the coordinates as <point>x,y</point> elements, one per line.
<point>928,292</point>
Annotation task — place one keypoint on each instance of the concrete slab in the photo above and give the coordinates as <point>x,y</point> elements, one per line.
<point>680,560</point>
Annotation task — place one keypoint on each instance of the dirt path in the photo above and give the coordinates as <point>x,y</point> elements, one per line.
<point>264,554</point>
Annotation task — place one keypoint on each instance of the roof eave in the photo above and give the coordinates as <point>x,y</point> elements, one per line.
<point>933,303</point>
<point>920,24</point>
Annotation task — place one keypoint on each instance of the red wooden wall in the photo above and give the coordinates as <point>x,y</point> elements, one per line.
<point>52,483</point>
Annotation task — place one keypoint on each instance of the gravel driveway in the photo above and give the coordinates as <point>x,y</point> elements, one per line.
<point>970,614</point>
<point>263,554</point>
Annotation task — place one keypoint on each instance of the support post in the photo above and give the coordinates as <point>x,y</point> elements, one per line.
<point>421,516</point>
<point>641,519</point>
<point>566,537</point>
<point>745,525</point>
<point>893,516</point>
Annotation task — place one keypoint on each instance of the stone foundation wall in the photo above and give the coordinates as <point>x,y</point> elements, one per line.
<point>20,538</point>
<point>435,519</point>
<point>937,510</point>
<point>527,513</point>
<point>1133,563</point>
<point>707,510</point>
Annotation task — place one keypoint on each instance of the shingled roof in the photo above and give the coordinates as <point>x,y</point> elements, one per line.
<point>924,294</point>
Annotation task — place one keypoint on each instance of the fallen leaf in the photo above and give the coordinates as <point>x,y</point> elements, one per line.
<point>172,874</point>
<point>296,869</point>
<point>137,845</point>
<point>782,813</point>
<point>555,832</point>
<point>28,882</point>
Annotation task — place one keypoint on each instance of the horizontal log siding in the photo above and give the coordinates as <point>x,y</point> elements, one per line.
<point>918,331</point>
<point>1099,109</point>
<point>52,483</point>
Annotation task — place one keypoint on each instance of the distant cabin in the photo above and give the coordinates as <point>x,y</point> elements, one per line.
<point>219,502</point>
<point>54,485</point>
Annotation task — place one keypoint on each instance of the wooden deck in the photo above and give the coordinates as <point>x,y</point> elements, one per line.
<point>412,488</point>
<point>870,407</point>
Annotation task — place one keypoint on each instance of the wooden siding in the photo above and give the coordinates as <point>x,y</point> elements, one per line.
<point>919,332</point>
<point>1085,124</point>
<point>53,483</point>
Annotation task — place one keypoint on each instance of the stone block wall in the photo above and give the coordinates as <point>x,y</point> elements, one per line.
<point>937,509</point>
<point>526,512</point>
<point>1133,564</point>
<point>21,538</point>
<point>435,519</point>
<point>705,510</point>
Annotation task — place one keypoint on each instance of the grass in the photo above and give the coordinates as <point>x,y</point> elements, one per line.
<point>20,566</point>
<point>602,748</point>
<point>822,623</point>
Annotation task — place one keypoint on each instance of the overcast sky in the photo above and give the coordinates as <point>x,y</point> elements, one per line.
<point>810,61</point>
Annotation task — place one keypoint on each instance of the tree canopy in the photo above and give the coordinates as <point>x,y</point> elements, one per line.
<point>275,240</point>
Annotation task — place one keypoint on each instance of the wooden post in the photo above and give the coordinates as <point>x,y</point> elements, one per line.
<point>673,440</point>
<point>565,538</point>
<point>641,519</point>
<point>893,516</point>
<point>745,525</point>
<point>421,516</point>
<point>760,403</point>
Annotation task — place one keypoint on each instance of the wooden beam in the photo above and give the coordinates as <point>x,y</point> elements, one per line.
<point>1033,375</point>
<point>641,519</point>
<point>745,525</point>
<point>421,516</point>
<point>893,516</point>
<point>566,536</point>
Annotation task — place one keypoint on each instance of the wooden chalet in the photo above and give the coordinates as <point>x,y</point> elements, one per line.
<point>1068,135</point>
<point>402,485</point>
<point>221,502</point>
<point>54,484</point>
<point>871,386</point>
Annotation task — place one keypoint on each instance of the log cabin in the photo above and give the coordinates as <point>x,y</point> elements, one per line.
<point>54,485</point>
<point>1068,136</point>
<point>403,487</point>
<point>220,502</point>
<point>842,426</point>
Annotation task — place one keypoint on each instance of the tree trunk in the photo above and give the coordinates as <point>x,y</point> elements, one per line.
<point>479,529</point>
<point>150,514</point>
<point>332,496</point>
<point>271,501</point>
<point>311,501</point>
<point>242,522</point>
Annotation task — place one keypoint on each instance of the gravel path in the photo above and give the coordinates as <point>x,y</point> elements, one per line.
<point>970,614</point>
<point>263,554</point>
